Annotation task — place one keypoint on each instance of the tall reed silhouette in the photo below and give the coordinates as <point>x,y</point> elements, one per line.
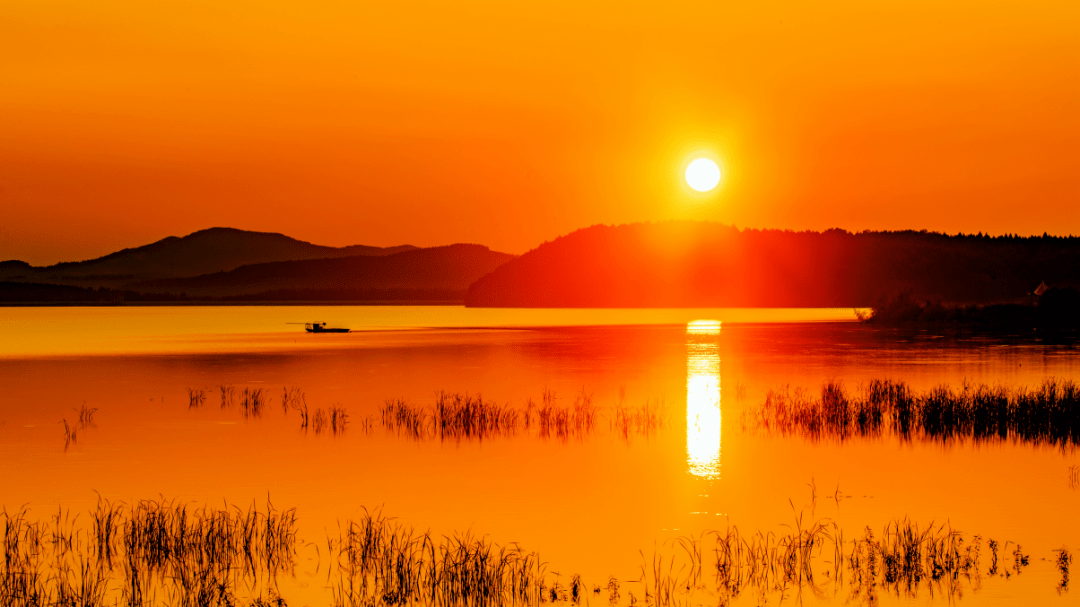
<point>1048,414</point>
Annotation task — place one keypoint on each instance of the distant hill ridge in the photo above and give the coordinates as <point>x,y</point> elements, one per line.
<point>699,264</point>
<point>226,264</point>
<point>448,270</point>
<point>668,264</point>
<point>202,252</point>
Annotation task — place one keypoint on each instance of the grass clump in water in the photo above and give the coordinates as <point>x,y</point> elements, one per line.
<point>645,420</point>
<point>253,401</point>
<point>904,560</point>
<point>456,416</point>
<point>228,396</point>
<point>154,552</point>
<point>159,552</point>
<point>196,397</point>
<point>379,561</point>
<point>1049,413</point>
<point>566,422</point>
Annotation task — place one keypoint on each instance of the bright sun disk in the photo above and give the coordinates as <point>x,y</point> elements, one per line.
<point>702,174</point>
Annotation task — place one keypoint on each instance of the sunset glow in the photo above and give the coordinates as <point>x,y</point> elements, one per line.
<point>509,125</point>
<point>702,174</point>
<point>344,303</point>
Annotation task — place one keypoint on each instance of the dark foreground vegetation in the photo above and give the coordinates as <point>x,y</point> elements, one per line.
<point>1055,311</point>
<point>158,552</point>
<point>677,264</point>
<point>1048,414</point>
<point>149,553</point>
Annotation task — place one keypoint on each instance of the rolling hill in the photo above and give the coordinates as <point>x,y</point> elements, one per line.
<point>690,264</point>
<point>202,252</point>
<point>442,273</point>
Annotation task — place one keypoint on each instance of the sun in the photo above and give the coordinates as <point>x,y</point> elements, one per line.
<point>702,174</point>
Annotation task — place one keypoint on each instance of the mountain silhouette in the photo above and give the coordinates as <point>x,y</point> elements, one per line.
<point>202,252</point>
<point>447,271</point>
<point>699,264</point>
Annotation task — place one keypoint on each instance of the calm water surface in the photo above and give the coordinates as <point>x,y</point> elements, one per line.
<point>588,504</point>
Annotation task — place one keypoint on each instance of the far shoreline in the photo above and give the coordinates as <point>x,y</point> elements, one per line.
<point>202,303</point>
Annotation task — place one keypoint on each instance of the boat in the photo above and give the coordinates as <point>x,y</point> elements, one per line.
<point>320,327</point>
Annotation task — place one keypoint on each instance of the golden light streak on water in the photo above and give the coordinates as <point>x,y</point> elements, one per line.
<point>703,417</point>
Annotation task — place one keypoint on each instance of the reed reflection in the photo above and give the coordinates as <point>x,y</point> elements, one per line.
<point>703,417</point>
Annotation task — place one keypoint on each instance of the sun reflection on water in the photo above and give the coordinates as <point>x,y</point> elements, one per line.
<point>703,417</point>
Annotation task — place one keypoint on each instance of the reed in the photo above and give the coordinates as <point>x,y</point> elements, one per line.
<point>455,416</point>
<point>318,421</point>
<point>563,423</point>
<point>196,397</point>
<point>645,420</point>
<point>71,434</point>
<point>367,423</point>
<point>333,419</point>
<point>379,561</point>
<point>461,416</point>
<point>162,552</point>
<point>1048,414</point>
<point>404,418</point>
<point>1062,561</point>
<point>304,416</point>
<point>903,560</point>
<point>338,419</point>
<point>292,398</point>
<point>86,416</point>
<point>154,552</point>
<point>253,401</point>
<point>228,396</point>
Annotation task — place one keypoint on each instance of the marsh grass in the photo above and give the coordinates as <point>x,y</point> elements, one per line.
<point>458,417</point>
<point>903,560</point>
<point>253,401</point>
<point>71,434</point>
<point>305,417</point>
<point>338,419</point>
<point>575,421</point>
<point>1048,414</point>
<point>153,552</point>
<point>84,419</point>
<point>86,416</point>
<point>646,420</point>
<point>196,397</point>
<point>332,420</point>
<point>380,561</point>
<point>161,552</point>
<point>1062,561</point>
<point>367,424</point>
<point>292,398</point>
<point>228,396</point>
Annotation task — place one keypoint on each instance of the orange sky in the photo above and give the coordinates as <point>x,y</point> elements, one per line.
<point>508,123</point>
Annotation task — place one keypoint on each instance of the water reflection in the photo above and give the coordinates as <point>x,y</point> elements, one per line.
<point>703,417</point>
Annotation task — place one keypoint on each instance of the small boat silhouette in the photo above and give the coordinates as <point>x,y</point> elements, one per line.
<point>320,327</point>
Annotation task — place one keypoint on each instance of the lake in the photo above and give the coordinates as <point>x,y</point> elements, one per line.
<point>658,443</point>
